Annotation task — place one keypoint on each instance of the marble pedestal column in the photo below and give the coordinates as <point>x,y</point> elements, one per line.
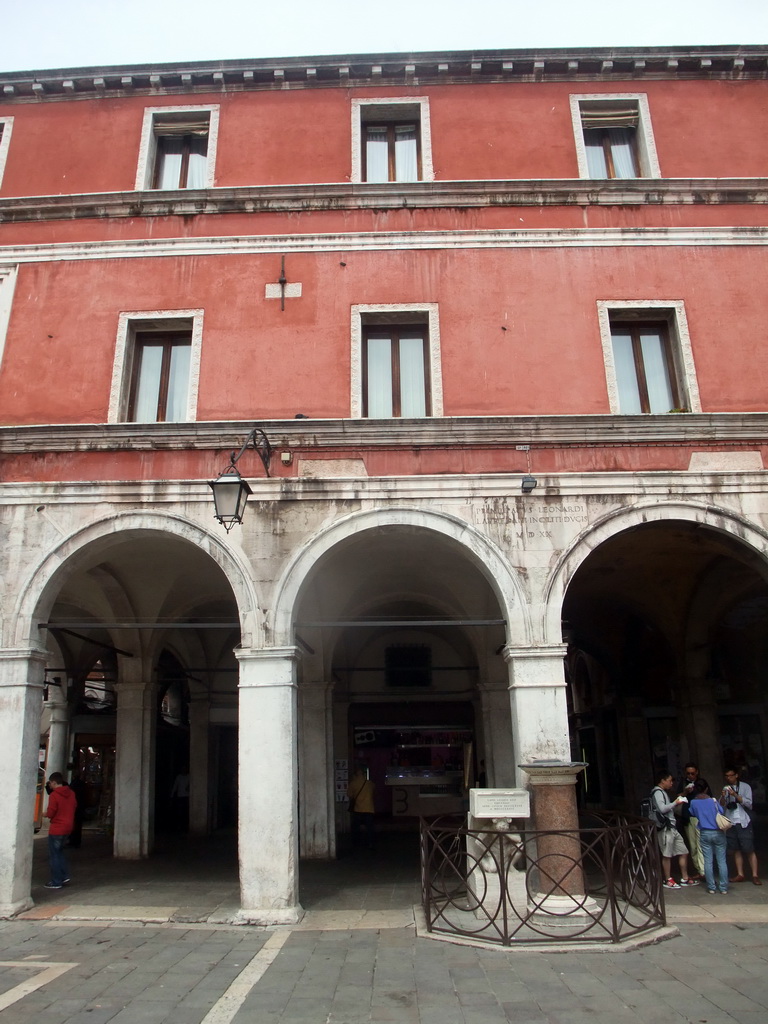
<point>560,885</point>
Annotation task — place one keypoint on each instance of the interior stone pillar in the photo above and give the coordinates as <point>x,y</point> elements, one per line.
<point>21,697</point>
<point>267,800</point>
<point>316,778</point>
<point>702,728</point>
<point>134,763</point>
<point>497,732</point>
<point>58,734</point>
<point>199,765</point>
<point>538,704</point>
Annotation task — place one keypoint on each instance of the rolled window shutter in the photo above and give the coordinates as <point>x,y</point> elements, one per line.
<point>610,116</point>
<point>166,126</point>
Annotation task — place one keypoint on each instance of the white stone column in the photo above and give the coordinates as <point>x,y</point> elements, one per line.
<point>199,765</point>
<point>21,697</point>
<point>316,780</point>
<point>267,826</point>
<point>134,764</point>
<point>538,702</point>
<point>58,735</point>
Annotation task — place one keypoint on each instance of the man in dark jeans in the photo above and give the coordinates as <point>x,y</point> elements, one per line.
<point>62,804</point>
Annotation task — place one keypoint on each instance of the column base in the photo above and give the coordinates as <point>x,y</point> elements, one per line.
<point>9,910</point>
<point>264,916</point>
<point>562,912</point>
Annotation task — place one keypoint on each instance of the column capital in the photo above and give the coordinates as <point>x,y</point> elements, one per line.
<point>59,711</point>
<point>540,651</point>
<point>136,695</point>
<point>267,666</point>
<point>315,694</point>
<point>23,666</point>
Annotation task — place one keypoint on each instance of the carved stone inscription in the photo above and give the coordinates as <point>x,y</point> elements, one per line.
<point>531,519</point>
<point>500,803</point>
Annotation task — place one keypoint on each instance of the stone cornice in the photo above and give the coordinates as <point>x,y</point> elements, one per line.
<point>688,429</point>
<point>578,64</point>
<point>396,196</point>
<point>649,487</point>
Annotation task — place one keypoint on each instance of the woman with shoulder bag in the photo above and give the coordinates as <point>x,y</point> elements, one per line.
<point>706,810</point>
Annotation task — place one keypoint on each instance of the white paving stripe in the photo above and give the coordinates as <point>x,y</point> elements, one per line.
<point>227,1006</point>
<point>48,973</point>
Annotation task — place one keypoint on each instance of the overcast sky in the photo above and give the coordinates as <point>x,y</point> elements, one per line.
<point>40,34</point>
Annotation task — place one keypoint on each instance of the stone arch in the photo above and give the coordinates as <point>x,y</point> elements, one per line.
<point>487,558</point>
<point>615,522</point>
<point>37,594</point>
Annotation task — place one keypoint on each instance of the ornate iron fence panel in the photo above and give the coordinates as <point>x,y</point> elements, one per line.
<point>600,883</point>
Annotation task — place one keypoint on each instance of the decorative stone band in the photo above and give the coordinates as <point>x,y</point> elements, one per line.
<point>427,195</point>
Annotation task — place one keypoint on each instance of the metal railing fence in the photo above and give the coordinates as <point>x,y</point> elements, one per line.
<point>599,883</point>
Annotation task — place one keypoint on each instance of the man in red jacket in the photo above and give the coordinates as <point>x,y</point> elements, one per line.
<point>62,804</point>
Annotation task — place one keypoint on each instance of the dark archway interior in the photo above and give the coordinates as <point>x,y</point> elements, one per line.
<point>661,621</point>
<point>407,628</point>
<point>141,597</point>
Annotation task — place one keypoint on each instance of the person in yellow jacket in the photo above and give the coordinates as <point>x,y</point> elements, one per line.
<point>360,792</point>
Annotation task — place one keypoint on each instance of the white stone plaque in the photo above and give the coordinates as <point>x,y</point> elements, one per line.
<point>500,803</point>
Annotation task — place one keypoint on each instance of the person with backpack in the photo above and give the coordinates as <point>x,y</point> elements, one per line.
<point>670,841</point>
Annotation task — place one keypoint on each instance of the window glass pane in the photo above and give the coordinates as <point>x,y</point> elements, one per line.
<point>626,376</point>
<point>169,152</point>
<point>622,151</point>
<point>148,383</point>
<point>376,154</point>
<point>198,161</point>
<point>593,141</point>
<point>657,380</point>
<point>379,381</point>
<point>178,383</point>
<point>406,158</point>
<point>413,400</point>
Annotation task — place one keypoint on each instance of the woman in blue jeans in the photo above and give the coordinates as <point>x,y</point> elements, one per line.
<point>704,808</point>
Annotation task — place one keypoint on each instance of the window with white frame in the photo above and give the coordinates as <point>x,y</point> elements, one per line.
<point>157,366</point>
<point>396,361</point>
<point>8,275</point>
<point>391,140</point>
<point>648,357</point>
<point>6,126</point>
<point>178,147</point>
<point>614,137</point>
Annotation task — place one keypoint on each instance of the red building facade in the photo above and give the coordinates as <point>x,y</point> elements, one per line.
<point>424,277</point>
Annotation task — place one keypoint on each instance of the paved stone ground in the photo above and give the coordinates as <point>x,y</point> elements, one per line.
<point>138,943</point>
<point>195,882</point>
<point>171,974</point>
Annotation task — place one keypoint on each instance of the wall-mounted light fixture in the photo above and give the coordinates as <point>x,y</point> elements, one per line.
<point>529,482</point>
<point>230,491</point>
